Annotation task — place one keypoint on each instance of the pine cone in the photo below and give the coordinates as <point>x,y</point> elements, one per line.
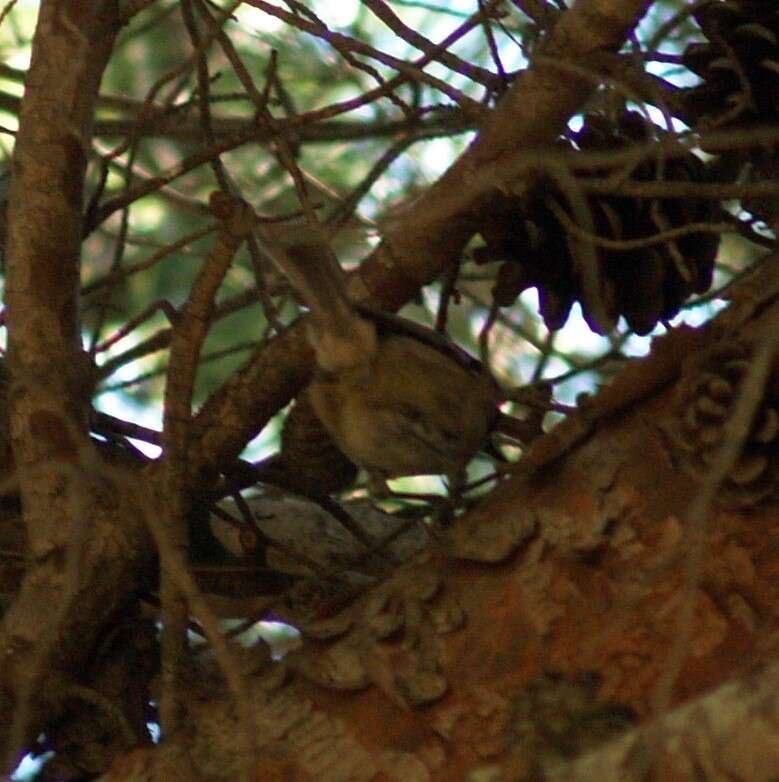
<point>739,63</point>
<point>739,66</point>
<point>706,398</point>
<point>529,236</point>
<point>646,284</point>
<point>650,283</point>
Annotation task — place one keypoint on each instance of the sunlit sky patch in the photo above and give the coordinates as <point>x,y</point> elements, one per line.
<point>338,15</point>
<point>254,19</point>
<point>29,768</point>
<point>122,405</point>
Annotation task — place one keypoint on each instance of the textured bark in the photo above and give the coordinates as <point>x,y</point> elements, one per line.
<point>543,625</point>
<point>70,494</point>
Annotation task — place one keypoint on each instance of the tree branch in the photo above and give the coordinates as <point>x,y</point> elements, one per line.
<point>63,480</point>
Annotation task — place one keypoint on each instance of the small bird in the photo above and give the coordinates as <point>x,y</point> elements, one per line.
<point>398,399</point>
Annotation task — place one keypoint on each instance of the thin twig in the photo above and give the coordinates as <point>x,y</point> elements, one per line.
<point>121,274</point>
<point>480,75</point>
<point>161,339</point>
<point>204,92</point>
<point>338,42</point>
<point>661,237</point>
<point>493,47</point>
<point>119,248</point>
<point>413,71</point>
<point>7,8</point>
<point>249,134</point>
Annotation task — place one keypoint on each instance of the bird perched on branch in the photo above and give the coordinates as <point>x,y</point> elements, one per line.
<point>397,398</point>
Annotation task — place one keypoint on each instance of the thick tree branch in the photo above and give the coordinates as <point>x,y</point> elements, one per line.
<point>50,377</point>
<point>69,495</point>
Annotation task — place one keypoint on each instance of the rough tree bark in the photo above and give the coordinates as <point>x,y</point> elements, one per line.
<point>543,625</point>
<point>70,498</point>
